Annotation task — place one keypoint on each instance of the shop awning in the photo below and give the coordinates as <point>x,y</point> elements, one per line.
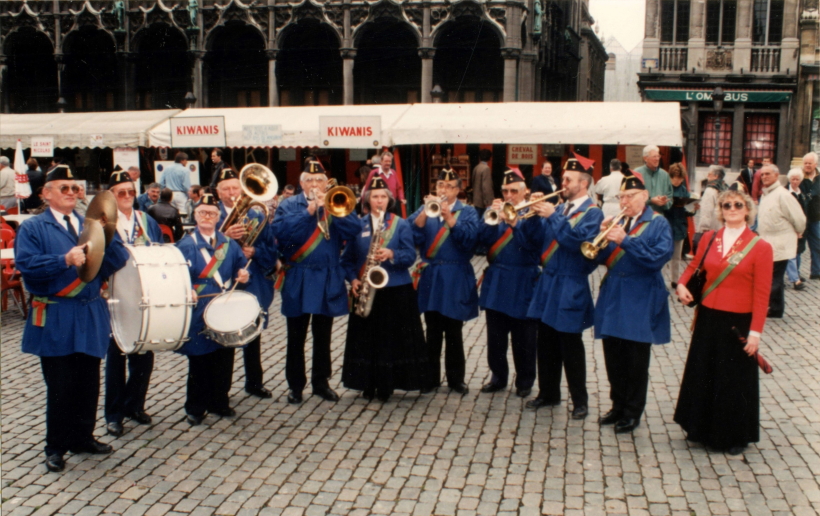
<point>82,130</point>
<point>297,126</point>
<point>586,123</point>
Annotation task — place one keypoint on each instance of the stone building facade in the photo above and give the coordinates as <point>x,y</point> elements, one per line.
<point>83,55</point>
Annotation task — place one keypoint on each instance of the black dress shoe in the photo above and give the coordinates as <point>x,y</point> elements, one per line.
<point>383,395</point>
<point>814,276</point>
<point>326,393</point>
<point>369,394</point>
<point>94,447</point>
<point>460,388</point>
<point>774,315</point>
<point>610,418</point>
<point>799,285</point>
<point>580,412</point>
<point>428,390</point>
<point>541,402</point>
<point>55,463</point>
<point>735,450</point>
<point>114,429</point>
<point>626,425</point>
<point>294,398</point>
<point>523,393</point>
<point>493,387</point>
<point>194,420</point>
<point>140,417</point>
<point>259,392</point>
<point>226,412</point>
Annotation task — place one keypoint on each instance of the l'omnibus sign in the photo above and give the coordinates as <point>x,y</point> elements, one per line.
<point>198,131</point>
<point>350,132</point>
<point>731,96</point>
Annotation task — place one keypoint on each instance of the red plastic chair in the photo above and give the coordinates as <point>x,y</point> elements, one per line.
<point>167,233</point>
<point>7,237</point>
<point>13,211</point>
<point>10,282</point>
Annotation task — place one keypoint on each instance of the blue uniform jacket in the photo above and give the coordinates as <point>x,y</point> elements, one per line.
<point>404,252</point>
<point>509,281</point>
<point>234,260</point>
<point>73,325</point>
<point>632,303</point>
<point>264,262</point>
<point>447,284</point>
<point>144,202</point>
<point>153,232</point>
<point>562,298</point>
<point>315,285</point>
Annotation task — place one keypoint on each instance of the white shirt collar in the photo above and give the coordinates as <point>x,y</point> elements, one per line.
<point>575,205</point>
<point>386,174</point>
<point>59,216</point>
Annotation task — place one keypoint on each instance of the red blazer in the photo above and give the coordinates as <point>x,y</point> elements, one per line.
<point>746,289</point>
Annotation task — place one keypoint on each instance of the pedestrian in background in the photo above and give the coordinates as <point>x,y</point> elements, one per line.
<point>166,214</point>
<point>608,189</point>
<point>483,183</point>
<point>37,180</point>
<point>656,179</point>
<point>678,218</point>
<point>149,198</point>
<point>811,187</point>
<point>707,213</point>
<point>795,177</point>
<point>177,178</point>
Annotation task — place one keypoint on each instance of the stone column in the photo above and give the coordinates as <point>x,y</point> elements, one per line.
<point>651,42</point>
<point>526,80</point>
<point>790,44</point>
<point>737,137</point>
<point>126,62</point>
<point>510,56</point>
<point>348,56</point>
<point>697,41</point>
<point>197,77</point>
<point>742,58</point>
<point>801,115</point>
<point>60,59</point>
<point>273,86</point>
<point>426,55</point>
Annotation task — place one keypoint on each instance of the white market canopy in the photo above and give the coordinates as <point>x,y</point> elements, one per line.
<point>83,130</point>
<point>585,123</point>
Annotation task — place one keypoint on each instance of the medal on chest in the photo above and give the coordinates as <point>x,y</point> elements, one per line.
<point>220,253</point>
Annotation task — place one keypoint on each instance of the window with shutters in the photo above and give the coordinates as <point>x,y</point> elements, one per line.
<point>706,151</point>
<point>760,137</point>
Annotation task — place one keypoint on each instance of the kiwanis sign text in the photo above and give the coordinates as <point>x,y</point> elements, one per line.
<point>351,132</point>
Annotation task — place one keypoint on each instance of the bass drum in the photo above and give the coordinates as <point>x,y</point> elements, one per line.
<point>151,302</point>
<point>233,319</point>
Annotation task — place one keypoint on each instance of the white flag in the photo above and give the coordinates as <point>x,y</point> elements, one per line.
<point>22,188</point>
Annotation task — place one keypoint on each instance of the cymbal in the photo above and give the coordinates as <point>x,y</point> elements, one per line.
<point>104,209</point>
<point>94,236</point>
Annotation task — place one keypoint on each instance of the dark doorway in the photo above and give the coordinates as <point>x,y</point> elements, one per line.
<point>309,66</point>
<point>238,68</point>
<point>32,73</point>
<point>90,79</point>
<point>468,64</point>
<point>162,71</point>
<point>387,69</point>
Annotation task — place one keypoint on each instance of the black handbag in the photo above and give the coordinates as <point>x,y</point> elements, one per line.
<point>698,279</point>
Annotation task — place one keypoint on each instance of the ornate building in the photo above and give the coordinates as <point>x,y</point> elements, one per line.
<point>83,55</point>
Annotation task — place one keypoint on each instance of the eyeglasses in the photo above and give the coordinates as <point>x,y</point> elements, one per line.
<point>512,191</point>
<point>445,186</point>
<point>122,194</point>
<point>737,205</point>
<point>208,214</point>
<point>65,188</point>
<point>626,196</point>
<point>315,179</point>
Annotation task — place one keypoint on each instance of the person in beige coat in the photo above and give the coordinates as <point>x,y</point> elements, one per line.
<point>780,220</point>
<point>483,183</point>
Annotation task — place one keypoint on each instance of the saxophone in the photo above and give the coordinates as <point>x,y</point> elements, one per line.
<point>374,277</point>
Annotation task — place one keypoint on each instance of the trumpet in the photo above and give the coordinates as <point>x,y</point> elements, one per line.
<point>259,185</point>
<point>340,201</point>
<point>590,250</point>
<point>509,212</point>
<point>432,207</point>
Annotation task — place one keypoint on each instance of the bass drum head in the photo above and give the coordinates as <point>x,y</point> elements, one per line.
<point>232,311</point>
<point>126,294</point>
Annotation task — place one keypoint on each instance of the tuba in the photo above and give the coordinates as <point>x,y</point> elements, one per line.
<point>259,185</point>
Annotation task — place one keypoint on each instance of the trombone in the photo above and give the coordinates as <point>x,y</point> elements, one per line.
<point>509,212</point>
<point>590,250</point>
<point>259,185</point>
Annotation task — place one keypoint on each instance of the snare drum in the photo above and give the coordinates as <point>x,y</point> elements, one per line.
<point>233,319</point>
<point>151,302</point>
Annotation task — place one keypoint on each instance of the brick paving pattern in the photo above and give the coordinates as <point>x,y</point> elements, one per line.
<point>438,453</point>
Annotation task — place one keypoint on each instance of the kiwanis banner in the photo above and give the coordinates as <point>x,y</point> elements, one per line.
<point>352,132</point>
<point>198,131</point>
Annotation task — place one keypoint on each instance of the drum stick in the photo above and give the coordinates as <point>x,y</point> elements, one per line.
<point>235,283</point>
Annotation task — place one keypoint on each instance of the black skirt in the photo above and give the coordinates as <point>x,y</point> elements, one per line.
<point>719,401</point>
<point>387,349</point>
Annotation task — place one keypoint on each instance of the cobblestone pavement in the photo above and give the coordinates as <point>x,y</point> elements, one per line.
<point>425,454</point>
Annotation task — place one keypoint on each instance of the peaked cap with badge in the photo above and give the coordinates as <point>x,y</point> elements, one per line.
<point>314,167</point>
<point>60,172</point>
<point>118,176</point>
<point>377,183</point>
<point>512,176</point>
<point>632,183</point>
<point>225,174</point>
<point>207,199</point>
<point>447,174</point>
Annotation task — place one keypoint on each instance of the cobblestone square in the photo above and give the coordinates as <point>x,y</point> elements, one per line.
<point>438,453</point>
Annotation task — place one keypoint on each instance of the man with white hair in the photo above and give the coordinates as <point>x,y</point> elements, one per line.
<point>811,187</point>
<point>656,180</point>
<point>7,199</point>
<point>708,212</point>
<point>779,220</point>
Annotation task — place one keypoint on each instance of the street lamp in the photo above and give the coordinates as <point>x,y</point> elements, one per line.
<point>437,93</point>
<point>717,99</point>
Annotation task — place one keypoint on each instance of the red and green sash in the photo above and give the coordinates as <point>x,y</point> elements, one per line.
<point>312,242</point>
<point>547,255</point>
<point>500,244</point>
<point>40,303</point>
<point>733,262</point>
<point>416,273</point>
<point>619,253</point>
<point>213,266</point>
<point>441,237</point>
<point>141,237</point>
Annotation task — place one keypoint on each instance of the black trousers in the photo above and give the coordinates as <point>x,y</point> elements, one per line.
<point>123,397</point>
<point>72,393</point>
<point>556,351</point>
<point>777,298</point>
<point>500,327</point>
<point>321,327</point>
<point>252,355</point>
<point>627,367</point>
<point>209,381</point>
<point>441,328</point>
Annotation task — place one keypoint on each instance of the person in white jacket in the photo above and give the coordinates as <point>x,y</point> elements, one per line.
<point>708,211</point>
<point>780,219</point>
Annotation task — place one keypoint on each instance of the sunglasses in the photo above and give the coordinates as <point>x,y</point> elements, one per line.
<point>65,188</point>
<point>122,194</point>
<point>737,205</point>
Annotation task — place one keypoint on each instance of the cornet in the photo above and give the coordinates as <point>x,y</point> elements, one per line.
<point>509,212</point>
<point>432,207</point>
<point>590,250</point>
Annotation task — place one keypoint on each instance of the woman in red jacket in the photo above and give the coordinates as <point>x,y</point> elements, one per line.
<point>719,401</point>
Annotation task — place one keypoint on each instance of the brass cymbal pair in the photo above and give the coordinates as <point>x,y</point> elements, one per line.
<point>98,232</point>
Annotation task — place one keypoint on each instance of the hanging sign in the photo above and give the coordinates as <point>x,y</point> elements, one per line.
<point>522,154</point>
<point>198,131</point>
<point>42,146</point>
<point>261,135</point>
<point>351,132</point>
